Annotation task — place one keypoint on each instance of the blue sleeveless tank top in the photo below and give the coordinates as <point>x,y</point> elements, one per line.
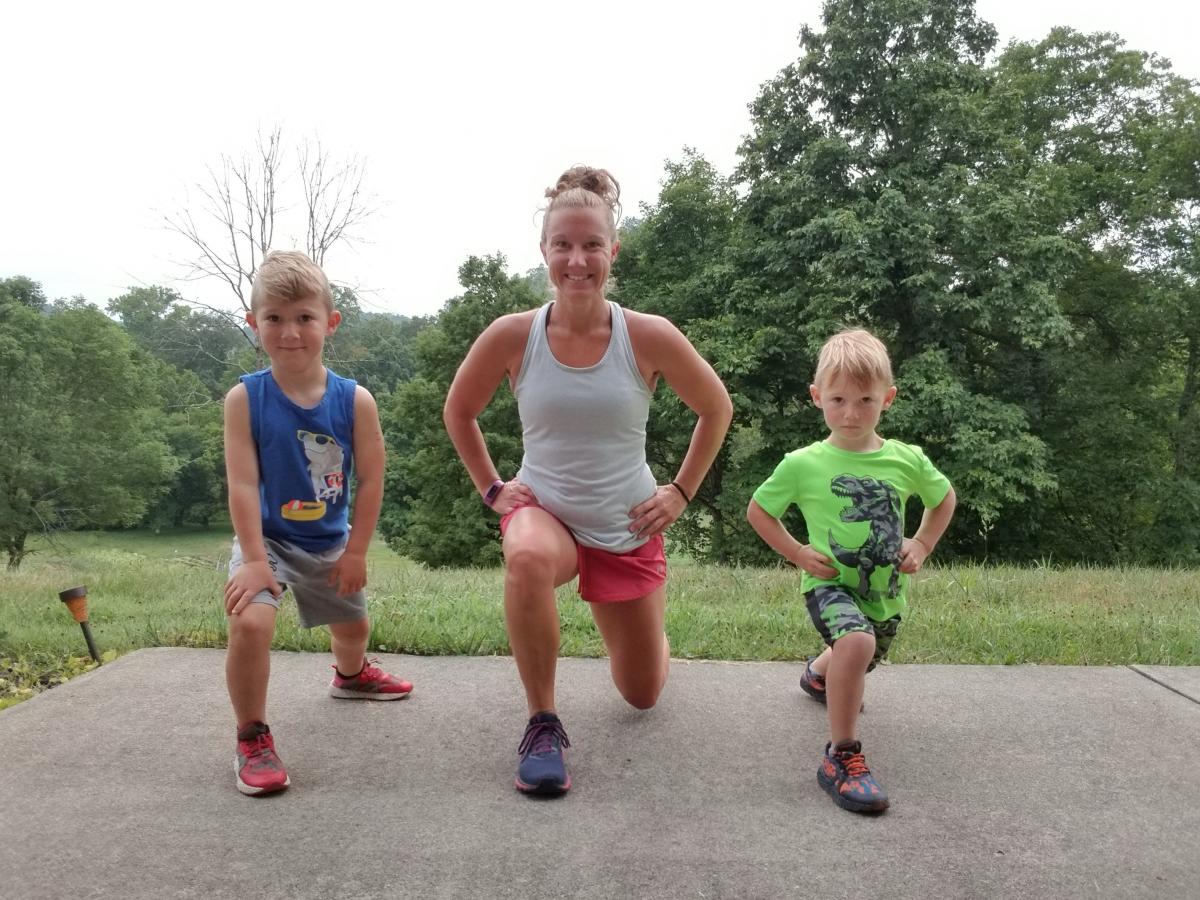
<point>305,461</point>
<point>584,433</point>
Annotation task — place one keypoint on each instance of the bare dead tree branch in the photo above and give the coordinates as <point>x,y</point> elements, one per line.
<point>334,199</point>
<point>239,197</point>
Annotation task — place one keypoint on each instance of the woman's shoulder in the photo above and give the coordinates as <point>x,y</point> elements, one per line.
<point>510,327</point>
<point>647,329</point>
<point>635,319</point>
<point>524,318</point>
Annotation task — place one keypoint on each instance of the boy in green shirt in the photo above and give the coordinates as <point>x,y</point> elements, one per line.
<point>851,489</point>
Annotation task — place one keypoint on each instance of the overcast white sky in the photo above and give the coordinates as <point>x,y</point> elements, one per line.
<point>463,111</point>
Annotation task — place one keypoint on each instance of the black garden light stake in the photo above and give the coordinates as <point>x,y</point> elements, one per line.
<point>76,600</point>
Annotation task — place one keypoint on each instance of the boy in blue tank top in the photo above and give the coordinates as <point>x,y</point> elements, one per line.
<point>851,489</point>
<point>295,435</point>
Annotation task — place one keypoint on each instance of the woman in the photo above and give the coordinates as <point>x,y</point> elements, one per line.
<point>584,502</point>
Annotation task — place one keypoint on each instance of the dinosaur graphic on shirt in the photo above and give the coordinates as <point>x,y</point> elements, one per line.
<point>878,503</point>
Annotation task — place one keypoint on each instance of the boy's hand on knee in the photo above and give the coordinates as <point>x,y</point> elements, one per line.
<point>814,563</point>
<point>349,573</point>
<point>246,583</point>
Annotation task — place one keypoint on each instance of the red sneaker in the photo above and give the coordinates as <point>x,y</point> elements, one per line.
<point>258,767</point>
<point>372,683</point>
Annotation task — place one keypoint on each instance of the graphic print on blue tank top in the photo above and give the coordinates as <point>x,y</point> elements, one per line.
<point>305,459</point>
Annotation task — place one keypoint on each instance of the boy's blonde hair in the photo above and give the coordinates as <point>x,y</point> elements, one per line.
<point>585,187</point>
<point>289,276</point>
<point>856,354</point>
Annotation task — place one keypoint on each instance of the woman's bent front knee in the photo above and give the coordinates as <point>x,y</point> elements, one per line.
<point>527,567</point>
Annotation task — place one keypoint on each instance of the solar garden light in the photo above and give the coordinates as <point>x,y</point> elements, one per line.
<point>76,600</point>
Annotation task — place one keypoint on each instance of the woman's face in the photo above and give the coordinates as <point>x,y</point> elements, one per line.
<point>579,251</point>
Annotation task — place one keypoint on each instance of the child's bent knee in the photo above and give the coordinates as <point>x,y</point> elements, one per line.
<point>252,626</point>
<point>855,642</point>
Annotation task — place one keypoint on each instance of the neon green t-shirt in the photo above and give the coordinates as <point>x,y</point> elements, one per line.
<point>853,506</point>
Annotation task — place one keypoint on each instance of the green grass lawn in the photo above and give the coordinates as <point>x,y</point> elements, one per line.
<point>148,590</point>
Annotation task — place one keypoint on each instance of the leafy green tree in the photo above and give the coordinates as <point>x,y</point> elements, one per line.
<point>82,443</point>
<point>881,191</point>
<point>672,263</point>
<point>198,341</point>
<point>431,510</point>
<point>23,291</point>
<point>375,349</point>
<point>1102,129</point>
<point>194,430</point>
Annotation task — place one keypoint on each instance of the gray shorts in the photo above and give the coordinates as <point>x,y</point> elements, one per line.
<point>306,573</point>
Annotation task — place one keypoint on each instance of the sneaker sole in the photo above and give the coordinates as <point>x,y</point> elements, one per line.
<point>544,788</point>
<point>830,788</point>
<point>819,696</point>
<point>251,791</point>
<point>343,694</point>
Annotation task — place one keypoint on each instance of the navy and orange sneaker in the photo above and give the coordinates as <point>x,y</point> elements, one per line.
<point>845,777</point>
<point>542,770</point>
<point>258,767</point>
<point>812,683</point>
<point>372,683</point>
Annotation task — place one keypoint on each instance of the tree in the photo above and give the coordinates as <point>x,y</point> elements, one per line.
<point>244,201</point>
<point>672,263</point>
<point>375,349</point>
<point>880,193</point>
<point>195,340</point>
<point>23,291</point>
<point>194,430</point>
<point>1110,134</point>
<point>431,510</point>
<point>82,443</point>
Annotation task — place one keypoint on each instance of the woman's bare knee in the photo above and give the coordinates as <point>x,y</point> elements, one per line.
<point>641,697</point>
<point>641,689</point>
<point>529,567</point>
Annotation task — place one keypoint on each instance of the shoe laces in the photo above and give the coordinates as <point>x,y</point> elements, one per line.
<point>542,737</point>
<point>258,747</point>
<point>856,764</point>
<point>370,670</point>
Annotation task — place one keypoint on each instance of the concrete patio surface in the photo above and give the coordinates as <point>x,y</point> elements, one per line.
<point>1005,782</point>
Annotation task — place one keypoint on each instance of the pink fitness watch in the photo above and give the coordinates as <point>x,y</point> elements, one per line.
<point>493,492</point>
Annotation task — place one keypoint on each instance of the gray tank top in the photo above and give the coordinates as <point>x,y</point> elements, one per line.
<point>584,431</point>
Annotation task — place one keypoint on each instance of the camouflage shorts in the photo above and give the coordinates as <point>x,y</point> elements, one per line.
<point>835,613</point>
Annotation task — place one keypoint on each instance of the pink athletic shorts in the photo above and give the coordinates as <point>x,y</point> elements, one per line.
<point>606,577</point>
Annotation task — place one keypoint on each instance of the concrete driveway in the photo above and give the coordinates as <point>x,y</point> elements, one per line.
<point>1005,782</point>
